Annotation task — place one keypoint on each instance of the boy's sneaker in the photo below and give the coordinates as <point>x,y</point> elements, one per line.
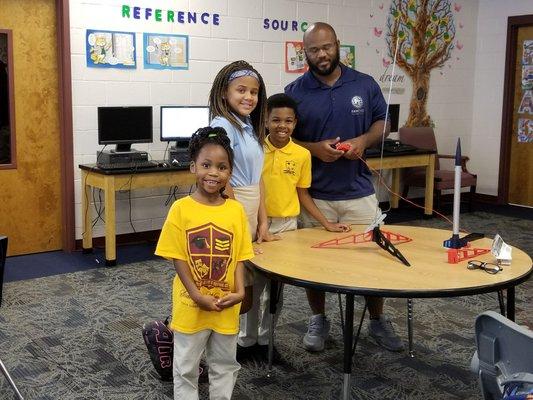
<point>382,332</point>
<point>317,333</point>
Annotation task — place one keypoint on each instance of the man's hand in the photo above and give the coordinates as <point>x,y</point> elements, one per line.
<point>358,146</point>
<point>326,151</point>
<point>229,300</point>
<point>337,227</point>
<point>207,303</point>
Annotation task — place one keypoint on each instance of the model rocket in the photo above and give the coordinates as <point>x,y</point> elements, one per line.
<point>455,242</point>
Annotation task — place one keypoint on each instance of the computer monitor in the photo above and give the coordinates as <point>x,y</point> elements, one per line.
<point>178,123</point>
<point>394,116</point>
<point>123,126</point>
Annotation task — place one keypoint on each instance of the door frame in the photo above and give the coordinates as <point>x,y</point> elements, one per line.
<point>513,23</point>
<point>68,234</point>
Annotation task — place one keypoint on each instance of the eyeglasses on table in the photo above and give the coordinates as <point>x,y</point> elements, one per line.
<point>489,268</point>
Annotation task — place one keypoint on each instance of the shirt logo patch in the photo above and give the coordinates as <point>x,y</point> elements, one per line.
<point>290,167</point>
<point>357,102</point>
<point>358,105</point>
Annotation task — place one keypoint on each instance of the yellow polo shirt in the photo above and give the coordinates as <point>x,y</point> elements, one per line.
<point>284,170</point>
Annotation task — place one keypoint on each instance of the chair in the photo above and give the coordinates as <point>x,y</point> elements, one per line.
<point>424,138</point>
<point>3,255</point>
<point>504,354</point>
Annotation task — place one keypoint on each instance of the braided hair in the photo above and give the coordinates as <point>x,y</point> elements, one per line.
<point>209,135</point>
<point>218,106</point>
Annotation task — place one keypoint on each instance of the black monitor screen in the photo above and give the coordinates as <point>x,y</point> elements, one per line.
<point>125,125</point>
<point>394,116</point>
<point>179,123</point>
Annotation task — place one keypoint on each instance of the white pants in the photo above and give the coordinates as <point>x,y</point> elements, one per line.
<point>220,351</point>
<point>255,324</point>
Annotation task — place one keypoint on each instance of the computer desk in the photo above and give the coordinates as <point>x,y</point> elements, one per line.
<point>397,161</point>
<point>111,181</point>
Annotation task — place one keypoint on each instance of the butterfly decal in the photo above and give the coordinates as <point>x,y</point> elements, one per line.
<point>461,25</point>
<point>457,7</point>
<point>371,15</point>
<point>381,6</point>
<point>377,32</point>
<point>459,46</point>
<point>386,62</point>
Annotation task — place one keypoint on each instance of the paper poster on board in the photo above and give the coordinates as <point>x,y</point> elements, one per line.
<point>347,55</point>
<point>525,130</point>
<point>526,104</point>
<point>527,53</point>
<point>109,49</point>
<point>162,51</point>
<point>295,57</point>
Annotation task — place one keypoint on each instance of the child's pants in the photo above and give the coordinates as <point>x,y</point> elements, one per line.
<point>220,351</point>
<point>255,324</point>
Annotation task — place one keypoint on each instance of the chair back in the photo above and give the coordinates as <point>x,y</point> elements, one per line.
<point>504,350</point>
<point>422,137</point>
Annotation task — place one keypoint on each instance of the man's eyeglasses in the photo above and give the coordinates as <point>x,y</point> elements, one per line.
<point>315,50</point>
<point>487,267</point>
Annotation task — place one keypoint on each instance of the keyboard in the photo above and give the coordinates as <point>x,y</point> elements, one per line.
<point>128,165</point>
<point>399,148</point>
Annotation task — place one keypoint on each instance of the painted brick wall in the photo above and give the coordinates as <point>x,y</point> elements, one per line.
<point>241,35</point>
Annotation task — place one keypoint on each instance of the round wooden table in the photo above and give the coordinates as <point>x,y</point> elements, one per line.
<point>367,269</point>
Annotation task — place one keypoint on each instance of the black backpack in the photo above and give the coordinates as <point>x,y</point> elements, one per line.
<point>159,341</point>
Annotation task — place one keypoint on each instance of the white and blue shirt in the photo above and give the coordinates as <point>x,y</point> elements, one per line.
<point>248,153</point>
<point>346,110</point>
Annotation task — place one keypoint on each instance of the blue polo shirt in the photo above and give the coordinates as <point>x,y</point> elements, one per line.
<point>346,110</point>
<point>248,153</point>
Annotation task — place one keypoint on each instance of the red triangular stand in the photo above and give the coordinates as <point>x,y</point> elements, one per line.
<point>458,255</point>
<point>356,238</point>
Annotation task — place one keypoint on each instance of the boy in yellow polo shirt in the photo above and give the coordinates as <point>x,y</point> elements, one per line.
<point>286,176</point>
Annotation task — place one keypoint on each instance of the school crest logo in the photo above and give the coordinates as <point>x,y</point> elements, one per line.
<point>290,167</point>
<point>210,249</point>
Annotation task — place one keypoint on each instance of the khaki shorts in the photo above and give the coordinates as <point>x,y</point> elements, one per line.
<point>282,224</point>
<point>356,211</point>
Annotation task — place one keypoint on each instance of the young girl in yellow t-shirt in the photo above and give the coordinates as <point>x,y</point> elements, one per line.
<point>207,237</point>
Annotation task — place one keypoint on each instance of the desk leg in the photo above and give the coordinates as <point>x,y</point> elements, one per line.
<point>511,303</point>
<point>430,180</point>
<point>395,187</point>
<point>87,234</point>
<point>272,302</point>
<point>110,229</point>
<point>348,339</point>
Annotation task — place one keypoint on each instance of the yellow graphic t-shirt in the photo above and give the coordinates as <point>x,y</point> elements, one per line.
<point>211,239</point>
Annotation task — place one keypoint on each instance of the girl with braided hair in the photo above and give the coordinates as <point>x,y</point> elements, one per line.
<point>206,235</point>
<point>237,103</point>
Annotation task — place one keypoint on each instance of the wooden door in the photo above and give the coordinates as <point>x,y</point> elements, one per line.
<point>521,143</point>
<point>30,190</point>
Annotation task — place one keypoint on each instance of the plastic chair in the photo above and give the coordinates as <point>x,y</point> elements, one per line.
<point>504,354</point>
<point>3,255</point>
<point>424,138</point>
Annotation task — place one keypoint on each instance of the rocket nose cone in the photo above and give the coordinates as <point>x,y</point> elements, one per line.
<point>458,153</point>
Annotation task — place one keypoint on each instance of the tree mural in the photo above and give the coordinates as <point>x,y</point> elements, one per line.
<point>426,30</point>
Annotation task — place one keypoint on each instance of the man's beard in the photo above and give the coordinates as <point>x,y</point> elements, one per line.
<point>334,63</point>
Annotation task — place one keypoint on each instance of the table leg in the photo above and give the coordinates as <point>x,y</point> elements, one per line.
<point>410,326</point>
<point>87,233</point>
<point>110,220</point>
<point>430,180</point>
<point>395,187</point>
<point>348,339</point>
<point>511,303</point>
<point>273,302</point>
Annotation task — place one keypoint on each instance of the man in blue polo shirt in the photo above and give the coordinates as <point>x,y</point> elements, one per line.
<point>339,105</point>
